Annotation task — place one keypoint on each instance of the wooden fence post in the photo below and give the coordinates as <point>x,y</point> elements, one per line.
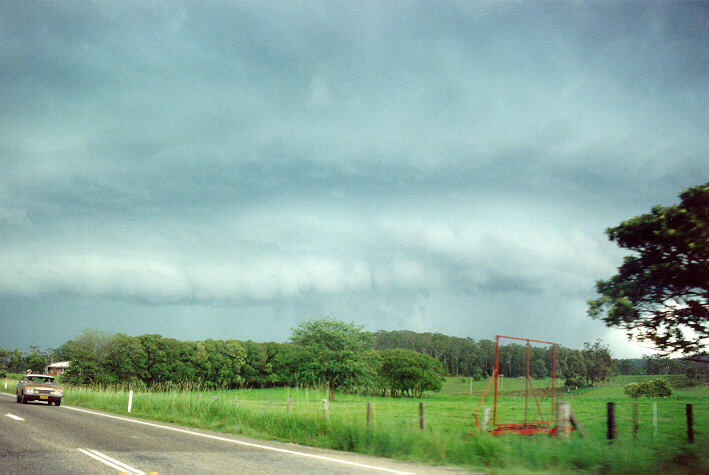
<point>575,423</point>
<point>635,420</point>
<point>486,419</point>
<point>422,417</point>
<point>130,400</point>
<point>369,414</point>
<point>563,416</point>
<point>690,424</point>
<point>610,435</point>
<point>326,408</point>
<point>288,405</point>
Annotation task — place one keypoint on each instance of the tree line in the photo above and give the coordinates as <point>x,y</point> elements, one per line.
<point>325,352</point>
<point>466,357</point>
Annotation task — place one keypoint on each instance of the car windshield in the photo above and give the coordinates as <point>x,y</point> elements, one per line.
<point>41,379</point>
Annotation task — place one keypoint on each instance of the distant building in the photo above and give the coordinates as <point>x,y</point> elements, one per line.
<point>57,368</point>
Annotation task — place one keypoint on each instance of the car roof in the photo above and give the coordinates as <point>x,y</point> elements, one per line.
<point>39,375</point>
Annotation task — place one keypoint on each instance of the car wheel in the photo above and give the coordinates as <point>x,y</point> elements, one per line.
<point>57,403</point>
<point>17,397</point>
<point>23,400</point>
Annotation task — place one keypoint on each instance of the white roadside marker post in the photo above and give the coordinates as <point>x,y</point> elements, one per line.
<point>130,400</point>
<point>654,420</point>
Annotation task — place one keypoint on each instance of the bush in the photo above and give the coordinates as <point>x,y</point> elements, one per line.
<point>632,390</point>
<point>575,382</point>
<point>656,388</point>
<point>409,373</point>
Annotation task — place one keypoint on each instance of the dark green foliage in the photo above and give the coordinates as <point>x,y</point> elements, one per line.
<point>653,388</point>
<point>14,361</point>
<point>656,388</point>
<point>575,382</point>
<point>335,352</point>
<point>409,373</point>
<point>151,360</point>
<point>661,291</point>
<point>632,390</point>
<point>597,361</point>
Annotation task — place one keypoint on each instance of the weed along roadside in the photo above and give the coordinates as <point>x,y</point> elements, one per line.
<point>650,434</point>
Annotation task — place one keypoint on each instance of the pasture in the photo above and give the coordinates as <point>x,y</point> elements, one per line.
<point>450,436</point>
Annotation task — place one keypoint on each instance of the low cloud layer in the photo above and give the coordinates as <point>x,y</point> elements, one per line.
<point>446,168</point>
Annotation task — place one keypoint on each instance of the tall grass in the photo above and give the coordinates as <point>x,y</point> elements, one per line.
<point>450,436</point>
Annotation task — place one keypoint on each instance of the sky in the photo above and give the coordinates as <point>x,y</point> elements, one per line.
<point>230,169</point>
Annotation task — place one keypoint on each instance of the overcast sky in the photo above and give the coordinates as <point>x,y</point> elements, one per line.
<point>227,170</point>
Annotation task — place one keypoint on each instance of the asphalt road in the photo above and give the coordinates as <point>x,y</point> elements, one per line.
<point>36,438</point>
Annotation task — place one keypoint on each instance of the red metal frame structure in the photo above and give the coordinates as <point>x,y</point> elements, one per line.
<point>526,427</point>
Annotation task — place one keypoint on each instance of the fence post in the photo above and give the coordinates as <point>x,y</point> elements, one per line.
<point>635,420</point>
<point>690,424</point>
<point>369,414</point>
<point>654,420</point>
<point>610,435</point>
<point>563,416</point>
<point>486,419</point>
<point>422,417</point>
<point>326,408</point>
<point>288,404</point>
<point>130,400</point>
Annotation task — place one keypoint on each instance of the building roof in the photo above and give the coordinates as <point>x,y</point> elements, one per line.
<point>59,364</point>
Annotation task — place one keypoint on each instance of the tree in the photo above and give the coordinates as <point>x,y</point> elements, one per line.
<point>335,352</point>
<point>408,372</point>
<point>661,291</point>
<point>656,388</point>
<point>597,361</point>
<point>632,390</point>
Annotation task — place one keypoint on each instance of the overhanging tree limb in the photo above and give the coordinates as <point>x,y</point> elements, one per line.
<point>661,291</point>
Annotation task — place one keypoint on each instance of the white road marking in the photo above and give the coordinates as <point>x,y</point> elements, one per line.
<point>238,442</point>
<point>111,462</point>
<point>241,442</point>
<point>12,416</point>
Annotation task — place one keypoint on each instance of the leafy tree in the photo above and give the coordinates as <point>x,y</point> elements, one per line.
<point>656,388</point>
<point>632,390</point>
<point>125,358</point>
<point>597,361</point>
<point>573,365</point>
<point>335,352</point>
<point>36,359</point>
<point>539,369</point>
<point>88,342</point>
<point>408,372</point>
<point>661,291</point>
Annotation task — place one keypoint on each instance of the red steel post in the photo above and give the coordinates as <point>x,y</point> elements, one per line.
<point>496,372</point>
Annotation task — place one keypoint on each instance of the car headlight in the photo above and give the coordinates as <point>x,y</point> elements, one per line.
<point>59,393</point>
<point>29,391</point>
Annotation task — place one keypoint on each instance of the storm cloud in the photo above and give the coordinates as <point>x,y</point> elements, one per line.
<point>193,168</point>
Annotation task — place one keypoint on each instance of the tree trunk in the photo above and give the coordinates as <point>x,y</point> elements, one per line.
<point>331,388</point>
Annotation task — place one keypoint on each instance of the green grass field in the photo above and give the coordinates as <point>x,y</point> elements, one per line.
<point>450,436</point>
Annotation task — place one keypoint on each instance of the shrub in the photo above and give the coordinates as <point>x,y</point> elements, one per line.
<point>409,373</point>
<point>575,382</point>
<point>632,390</point>
<point>656,388</point>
